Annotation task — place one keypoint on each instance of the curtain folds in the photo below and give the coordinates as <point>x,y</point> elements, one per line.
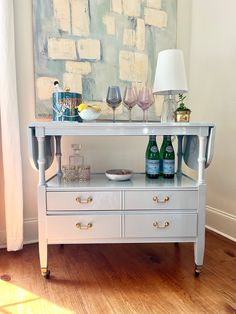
<point>10,130</point>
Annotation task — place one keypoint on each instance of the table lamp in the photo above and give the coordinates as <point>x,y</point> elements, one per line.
<point>170,80</point>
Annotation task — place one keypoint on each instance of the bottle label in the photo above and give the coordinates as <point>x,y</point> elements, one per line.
<point>152,166</point>
<point>168,166</point>
<point>154,149</point>
<point>169,149</point>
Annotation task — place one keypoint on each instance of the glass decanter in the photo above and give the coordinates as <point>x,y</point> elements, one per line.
<point>76,159</point>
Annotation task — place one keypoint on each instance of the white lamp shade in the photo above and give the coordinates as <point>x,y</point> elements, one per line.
<point>170,77</point>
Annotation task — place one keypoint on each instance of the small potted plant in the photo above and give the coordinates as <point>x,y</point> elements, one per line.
<point>182,113</point>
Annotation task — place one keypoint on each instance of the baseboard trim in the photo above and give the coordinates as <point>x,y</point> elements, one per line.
<point>2,239</point>
<point>221,233</point>
<point>221,222</point>
<point>30,233</point>
<point>30,230</point>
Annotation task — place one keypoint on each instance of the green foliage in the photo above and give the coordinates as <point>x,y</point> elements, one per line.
<point>181,101</point>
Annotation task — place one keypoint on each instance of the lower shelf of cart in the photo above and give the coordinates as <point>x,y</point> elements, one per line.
<point>137,181</point>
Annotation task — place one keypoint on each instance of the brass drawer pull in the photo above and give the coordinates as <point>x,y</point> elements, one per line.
<point>156,224</point>
<point>165,200</point>
<point>84,227</point>
<point>87,201</point>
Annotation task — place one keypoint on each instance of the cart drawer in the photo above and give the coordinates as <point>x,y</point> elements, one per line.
<point>160,225</point>
<point>84,227</point>
<point>161,199</point>
<point>83,200</point>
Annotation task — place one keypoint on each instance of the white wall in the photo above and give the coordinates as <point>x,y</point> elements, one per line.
<point>213,98</point>
<point>184,28</point>
<point>210,71</point>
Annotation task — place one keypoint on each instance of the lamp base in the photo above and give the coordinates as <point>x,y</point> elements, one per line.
<point>168,109</point>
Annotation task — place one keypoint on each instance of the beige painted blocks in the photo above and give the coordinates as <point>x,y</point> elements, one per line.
<point>61,10</point>
<point>73,81</point>
<point>110,24</point>
<point>44,87</point>
<point>61,49</point>
<point>140,34</point>
<point>133,66</point>
<point>131,7</point>
<point>140,67</point>
<point>82,68</point>
<point>116,6</point>
<point>89,49</point>
<point>126,63</point>
<point>129,37</point>
<point>156,4</point>
<point>80,17</point>
<point>155,17</point>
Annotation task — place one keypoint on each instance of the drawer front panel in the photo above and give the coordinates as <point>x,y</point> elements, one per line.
<point>161,200</point>
<point>83,200</point>
<point>160,225</point>
<point>84,227</point>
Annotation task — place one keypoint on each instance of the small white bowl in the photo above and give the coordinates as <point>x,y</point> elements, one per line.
<point>119,174</point>
<point>89,114</point>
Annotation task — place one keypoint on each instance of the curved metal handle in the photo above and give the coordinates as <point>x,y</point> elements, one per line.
<point>156,224</point>
<point>87,201</point>
<point>156,199</point>
<point>84,227</point>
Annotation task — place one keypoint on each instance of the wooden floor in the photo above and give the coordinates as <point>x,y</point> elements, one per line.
<point>120,278</point>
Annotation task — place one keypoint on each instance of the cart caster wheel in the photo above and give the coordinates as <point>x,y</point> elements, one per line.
<point>196,274</point>
<point>198,269</point>
<point>45,273</point>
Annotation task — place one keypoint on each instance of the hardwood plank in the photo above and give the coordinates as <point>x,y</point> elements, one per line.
<point>120,278</point>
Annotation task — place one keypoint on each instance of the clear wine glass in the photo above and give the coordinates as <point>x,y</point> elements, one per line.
<point>130,99</point>
<point>113,98</point>
<point>145,100</point>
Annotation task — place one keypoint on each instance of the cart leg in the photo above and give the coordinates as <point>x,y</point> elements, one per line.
<point>58,154</point>
<point>42,225</point>
<point>45,273</point>
<point>198,269</point>
<point>199,245</point>
<point>199,254</point>
<point>43,256</point>
<point>42,217</point>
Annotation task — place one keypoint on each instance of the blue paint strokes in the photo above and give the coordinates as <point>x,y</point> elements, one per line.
<point>105,72</point>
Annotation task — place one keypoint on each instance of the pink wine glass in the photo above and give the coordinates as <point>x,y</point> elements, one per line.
<point>145,100</point>
<point>130,99</point>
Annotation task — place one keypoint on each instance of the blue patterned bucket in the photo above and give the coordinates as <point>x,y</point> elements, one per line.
<point>65,106</point>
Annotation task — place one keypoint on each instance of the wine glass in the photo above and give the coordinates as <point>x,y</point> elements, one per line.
<point>145,100</point>
<point>113,98</point>
<point>130,99</point>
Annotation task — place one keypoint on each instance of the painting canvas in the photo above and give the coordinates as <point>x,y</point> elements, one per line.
<point>88,45</point>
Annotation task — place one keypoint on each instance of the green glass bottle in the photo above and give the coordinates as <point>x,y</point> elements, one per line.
<point>152,158</point>
<point>163,145</point>
<point>168,160</point>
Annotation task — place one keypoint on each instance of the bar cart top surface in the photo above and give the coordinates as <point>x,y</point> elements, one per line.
<point>122,128</point>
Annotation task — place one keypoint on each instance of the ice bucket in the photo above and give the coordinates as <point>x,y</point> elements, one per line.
<point>65,106</point>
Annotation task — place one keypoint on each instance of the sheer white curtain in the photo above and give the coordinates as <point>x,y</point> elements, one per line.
<point>10,130</point>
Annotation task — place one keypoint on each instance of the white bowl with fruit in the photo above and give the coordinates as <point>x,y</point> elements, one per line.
<point>89,112</point>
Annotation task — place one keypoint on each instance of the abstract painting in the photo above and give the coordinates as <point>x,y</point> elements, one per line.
<point>88,45</point>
